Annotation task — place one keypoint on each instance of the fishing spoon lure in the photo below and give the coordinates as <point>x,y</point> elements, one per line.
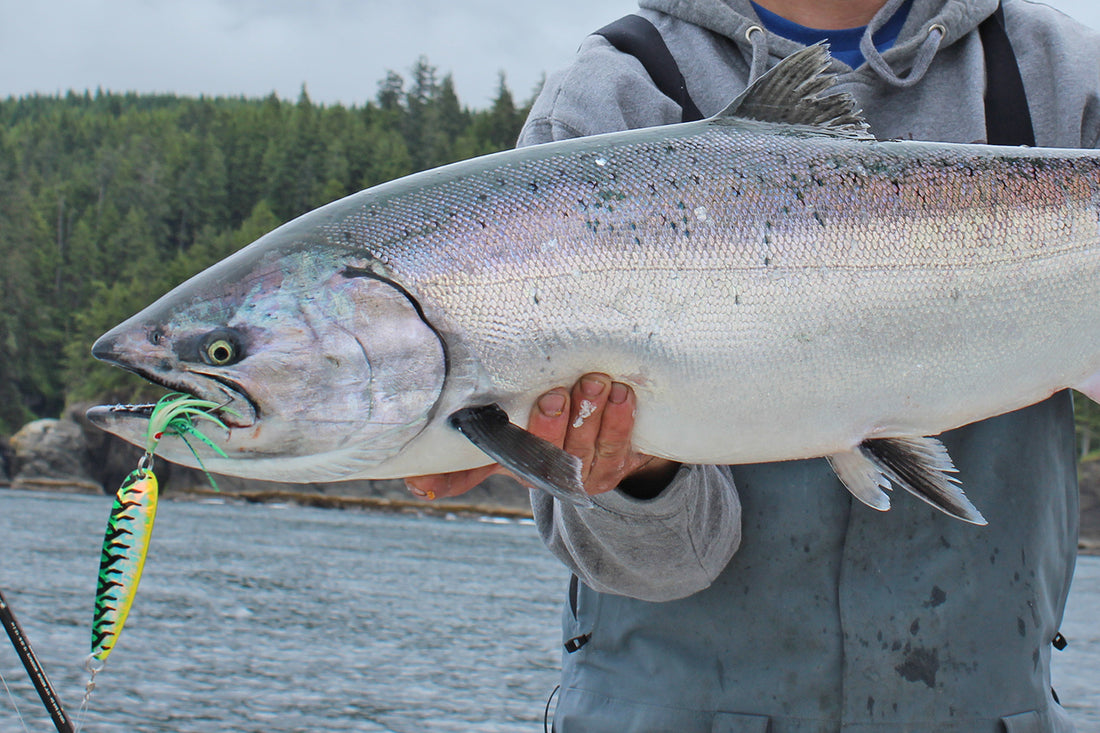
<point>130,524</point>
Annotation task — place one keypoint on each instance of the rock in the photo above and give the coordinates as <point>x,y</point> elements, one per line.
<point>5,460</point>
<point>72,453</point>
<point>50,453</point>
<point>109,459</point>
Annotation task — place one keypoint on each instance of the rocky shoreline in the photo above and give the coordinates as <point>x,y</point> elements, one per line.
<point>71,455</point>
<point>301,498</point>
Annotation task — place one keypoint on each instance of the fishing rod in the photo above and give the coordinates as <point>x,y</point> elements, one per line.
<point>34,669</point>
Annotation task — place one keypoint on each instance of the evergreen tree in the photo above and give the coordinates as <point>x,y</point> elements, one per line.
<point>108,200</point>
<point>391,94</point>
<point>505,120</point>
<point>26,389</point>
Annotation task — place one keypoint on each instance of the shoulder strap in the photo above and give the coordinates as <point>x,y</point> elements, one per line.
<point>634,35</point>
<point>1007,117</point>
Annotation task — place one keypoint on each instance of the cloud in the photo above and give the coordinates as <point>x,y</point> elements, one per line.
<point>339,48</point>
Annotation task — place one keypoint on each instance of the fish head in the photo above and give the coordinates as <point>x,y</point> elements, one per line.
<point>321,368</point>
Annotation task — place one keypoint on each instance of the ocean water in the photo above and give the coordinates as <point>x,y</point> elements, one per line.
<point>285,618</point>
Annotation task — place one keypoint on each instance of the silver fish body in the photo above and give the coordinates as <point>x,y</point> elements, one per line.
<point>770,291</point>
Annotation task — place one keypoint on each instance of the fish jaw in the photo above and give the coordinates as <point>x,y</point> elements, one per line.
<point>142,351</point>
<point>320,368</point>
<point>159,366</point>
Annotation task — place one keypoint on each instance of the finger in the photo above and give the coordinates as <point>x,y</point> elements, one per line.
<point>443,485</point>
<point>587,401</point>
<point>549,417</point>
<point>613,456</point>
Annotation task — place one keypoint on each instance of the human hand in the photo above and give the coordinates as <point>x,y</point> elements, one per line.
<point>592,421</point>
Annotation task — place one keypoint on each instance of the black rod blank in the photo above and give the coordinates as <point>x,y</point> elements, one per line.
<point>34,669</point>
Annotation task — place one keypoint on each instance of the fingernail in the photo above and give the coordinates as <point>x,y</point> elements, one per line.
<point>552,404</point>
<point>618,393</point>
<point>592,386</point>
<point>416,492</point>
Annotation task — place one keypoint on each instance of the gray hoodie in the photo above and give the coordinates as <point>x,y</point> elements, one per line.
<point>780,605</point>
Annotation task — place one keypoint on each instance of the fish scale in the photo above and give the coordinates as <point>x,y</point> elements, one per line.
<point>886,261</point>
<point>772,289</point>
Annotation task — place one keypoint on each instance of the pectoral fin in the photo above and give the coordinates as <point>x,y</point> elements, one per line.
<point>921,466</point>
<point>534,460</point>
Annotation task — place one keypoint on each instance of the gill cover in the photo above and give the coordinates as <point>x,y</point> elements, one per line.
<point>329,370</point>
<point>404,357</point>
<point>347,374</point>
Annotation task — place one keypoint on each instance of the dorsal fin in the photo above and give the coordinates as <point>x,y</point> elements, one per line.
<point>793,93</point>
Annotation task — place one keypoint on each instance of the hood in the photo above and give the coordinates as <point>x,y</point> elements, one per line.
<point>931,26</point>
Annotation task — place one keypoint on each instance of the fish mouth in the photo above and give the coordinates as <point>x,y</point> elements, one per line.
<point>235,408</point>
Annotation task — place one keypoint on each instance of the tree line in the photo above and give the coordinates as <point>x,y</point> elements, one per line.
<point>109,200</point>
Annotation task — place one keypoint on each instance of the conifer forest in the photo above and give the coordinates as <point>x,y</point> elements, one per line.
<point>107,201</point>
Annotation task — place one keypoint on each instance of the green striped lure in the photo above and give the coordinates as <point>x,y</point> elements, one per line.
<point>130,524</point>
<point>125,546</point>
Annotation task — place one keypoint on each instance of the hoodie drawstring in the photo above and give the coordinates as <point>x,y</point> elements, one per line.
<point>758,40</point>
<point>921,61</point>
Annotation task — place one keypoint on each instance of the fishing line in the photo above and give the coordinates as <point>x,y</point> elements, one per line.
<point>89,688</point>
<point>14,704</point>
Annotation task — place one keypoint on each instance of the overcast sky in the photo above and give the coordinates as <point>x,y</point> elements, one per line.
<point>339,49</point>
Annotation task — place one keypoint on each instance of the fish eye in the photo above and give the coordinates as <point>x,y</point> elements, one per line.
<point>219,350</point>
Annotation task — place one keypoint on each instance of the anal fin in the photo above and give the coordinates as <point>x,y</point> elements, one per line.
<point>921,466</point>
<point>532,459</point>
<point>863,477</point>
<point>1090,388</point>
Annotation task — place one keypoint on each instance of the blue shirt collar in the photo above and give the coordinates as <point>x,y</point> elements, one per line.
<point>843,43</point>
